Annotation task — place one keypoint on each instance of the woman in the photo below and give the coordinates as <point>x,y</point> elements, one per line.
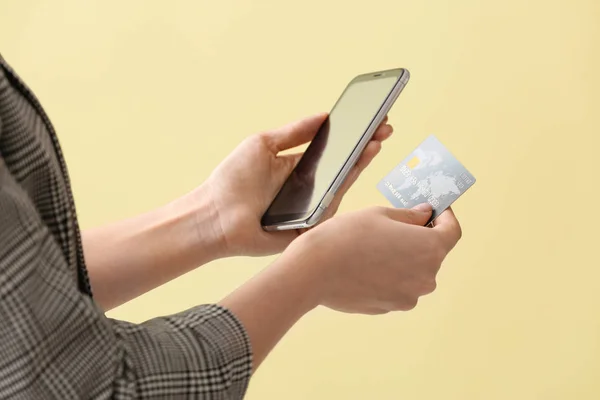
<point>55,340</point>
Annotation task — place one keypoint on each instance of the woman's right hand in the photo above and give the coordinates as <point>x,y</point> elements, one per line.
<point>370,262</point>
<point>378,259</point>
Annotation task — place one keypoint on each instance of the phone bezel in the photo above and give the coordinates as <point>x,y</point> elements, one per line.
<point>312,217</point>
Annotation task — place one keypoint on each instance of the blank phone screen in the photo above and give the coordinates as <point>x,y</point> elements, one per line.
<point>324,158</point>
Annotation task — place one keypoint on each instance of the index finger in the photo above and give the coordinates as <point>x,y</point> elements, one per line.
<point>448,227</point>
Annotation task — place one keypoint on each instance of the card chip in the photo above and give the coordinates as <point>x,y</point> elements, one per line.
<point>413,162</point>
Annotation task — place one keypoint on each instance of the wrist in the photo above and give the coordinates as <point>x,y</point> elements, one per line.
<point>199,221</point>
<point>273,301</point>
<point>300,277</point>
<point>304,267</point>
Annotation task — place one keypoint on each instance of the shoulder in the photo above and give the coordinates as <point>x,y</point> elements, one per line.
<point>31,158</point>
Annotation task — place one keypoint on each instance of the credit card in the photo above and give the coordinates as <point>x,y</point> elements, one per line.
<point>429,174</point>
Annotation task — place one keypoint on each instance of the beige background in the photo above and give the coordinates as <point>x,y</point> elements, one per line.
<point>148,97</point>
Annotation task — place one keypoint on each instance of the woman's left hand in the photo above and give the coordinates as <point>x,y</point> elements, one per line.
<point>243,186</point>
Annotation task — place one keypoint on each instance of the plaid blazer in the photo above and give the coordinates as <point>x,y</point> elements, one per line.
<point>54,341</point>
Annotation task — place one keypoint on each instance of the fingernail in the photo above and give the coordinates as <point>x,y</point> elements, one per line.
<point>423,207</point>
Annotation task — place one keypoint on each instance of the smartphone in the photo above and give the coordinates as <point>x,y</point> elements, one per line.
<point>335,149</point>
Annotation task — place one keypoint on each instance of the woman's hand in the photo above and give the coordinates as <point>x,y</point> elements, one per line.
<point>243,186</point>
<point>387,270</point>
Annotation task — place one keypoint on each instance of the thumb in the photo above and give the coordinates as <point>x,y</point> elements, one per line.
<point>295,133</point>
<point>419,215</point>
<point>285,166</point>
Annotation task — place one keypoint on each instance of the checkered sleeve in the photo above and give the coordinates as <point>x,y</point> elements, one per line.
<point>56,343</point>
<point>200,353</point>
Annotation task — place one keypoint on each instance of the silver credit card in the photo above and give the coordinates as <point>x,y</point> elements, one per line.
<point>429,174</point>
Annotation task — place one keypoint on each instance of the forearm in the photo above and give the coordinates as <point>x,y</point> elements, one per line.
<point>131,257</point>
<point>273,301</point>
